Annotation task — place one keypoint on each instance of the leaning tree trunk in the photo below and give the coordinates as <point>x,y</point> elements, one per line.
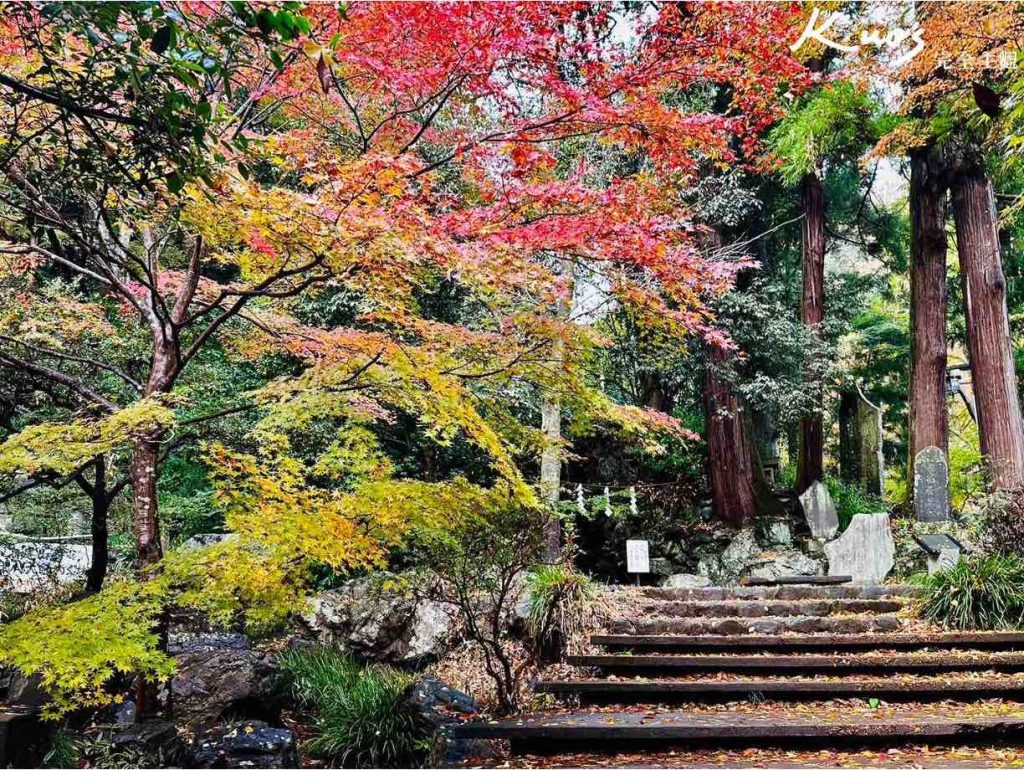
<point>810,463</point>
<point>739,491</point>
<point>988,332</point>
<point>928,418</point>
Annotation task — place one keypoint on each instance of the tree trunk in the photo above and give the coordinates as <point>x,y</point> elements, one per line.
<point>551,427</point>
<point>738,488</point>
<point>551,468</point>
<point>810,463</point>
<point>98,527</point>
<point>145,522</point>
<point>928,416</point>
<point>849,437</point>
<point>992,371</point>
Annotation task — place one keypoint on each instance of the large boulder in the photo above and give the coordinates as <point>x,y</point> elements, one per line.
<point>865,551</point>
<point>245,744</point>
<point>820,511</point>
<point>30,566</point>
<point>380,624</point>
<point>211,684</point>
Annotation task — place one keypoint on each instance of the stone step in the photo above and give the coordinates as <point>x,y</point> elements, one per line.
<point>716,690</point>
<point>738,626</point>
<point>782,592</point>
<point>1002,640</point>
<point>607,730</point>
<point>798,665</point>
<point>757,608</point>
<point>744,756</point>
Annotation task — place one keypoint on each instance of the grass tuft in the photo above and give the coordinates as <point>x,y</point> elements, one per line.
<point>361,720</point>
<point>982,593</point>
<point>557,597</point>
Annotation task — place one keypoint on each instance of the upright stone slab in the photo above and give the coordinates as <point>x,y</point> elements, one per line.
<point>931,485</point>
<point>872,462</point>
<point>865,551</point>
<point>820,511</point>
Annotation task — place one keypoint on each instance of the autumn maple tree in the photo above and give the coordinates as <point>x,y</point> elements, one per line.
<point>194,174</point>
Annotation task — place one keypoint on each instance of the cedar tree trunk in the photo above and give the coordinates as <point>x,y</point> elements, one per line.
<point>738,488</point>
<point>928,417</point>
<point>992,371</point>
<point>810,463</point>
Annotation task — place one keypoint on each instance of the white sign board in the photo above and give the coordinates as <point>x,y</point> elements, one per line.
<point>637,556</point>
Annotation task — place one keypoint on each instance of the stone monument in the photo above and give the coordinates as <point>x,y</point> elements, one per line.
<point>865,551</point>
<point>820,511</point>
<point>931,485</point>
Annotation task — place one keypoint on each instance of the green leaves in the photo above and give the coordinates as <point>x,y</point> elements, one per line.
<point>836,123</point>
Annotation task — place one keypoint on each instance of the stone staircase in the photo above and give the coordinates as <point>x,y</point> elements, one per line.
<point>773,666</point>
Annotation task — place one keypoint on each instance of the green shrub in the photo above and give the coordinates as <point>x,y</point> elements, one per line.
<point>557,597</point>
<point>1003,522</point>
<point>850,500</point>
<point>980,593</point>
<point>360,718</point>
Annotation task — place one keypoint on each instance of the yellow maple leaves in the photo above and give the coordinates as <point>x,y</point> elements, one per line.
<point>62,447</point>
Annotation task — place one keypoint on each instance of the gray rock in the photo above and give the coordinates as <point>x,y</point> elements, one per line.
<point>214,683</point>
<point>740,552</point>
<point>865,551</point>
<point>206,641</point>
<point>154,739</point>
<point>782,564</point>
<point>438,708</point>
<point>945,559</point>
<point>685,580</point>
<point>931,485</point>
<point>820,511</point>
<point>778,532</point>
<point>380,624</point>
<point>245,744</point>
<point>30,566</point>
<point>727,566</point>
<point>206,538</point>
<point>124,713</point>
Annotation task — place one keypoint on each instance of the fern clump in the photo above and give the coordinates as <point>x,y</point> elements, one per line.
<point>980,593</point>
